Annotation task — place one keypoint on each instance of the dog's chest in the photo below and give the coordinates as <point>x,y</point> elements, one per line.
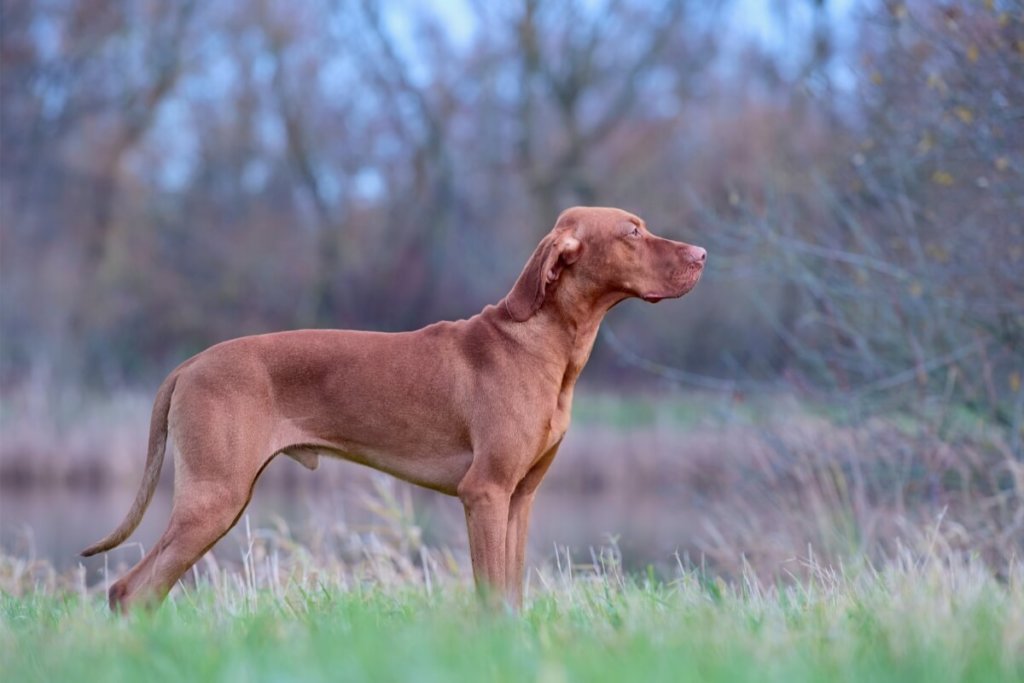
<point>558,423</point>
<point>561,416</point>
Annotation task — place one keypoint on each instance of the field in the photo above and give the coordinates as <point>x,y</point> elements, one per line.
<point>921,619</point>
<point>806,547</point>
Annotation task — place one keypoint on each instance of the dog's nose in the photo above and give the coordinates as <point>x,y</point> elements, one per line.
<point>699,254</point>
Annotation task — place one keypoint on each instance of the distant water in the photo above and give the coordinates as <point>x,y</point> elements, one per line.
<point>54,524</point>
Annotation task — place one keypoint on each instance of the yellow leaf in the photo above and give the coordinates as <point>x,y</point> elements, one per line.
<point>972,54</point>
<point>989,5</point>
<point>942,178</point>
<point>1015,382</point>
<point>1004,19</point>
<point>964,114</point>
<point>925,143</point>
<point>1002,163</point>
<point>937,252</point>
<point>935,82</point>
<point>916,290</point>
<point>876,78</point>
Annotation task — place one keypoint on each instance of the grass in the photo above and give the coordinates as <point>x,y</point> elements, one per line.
<point>297,619</point>
<point>915,573</point>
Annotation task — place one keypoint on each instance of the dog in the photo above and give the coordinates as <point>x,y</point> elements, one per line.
<point>474,408</point>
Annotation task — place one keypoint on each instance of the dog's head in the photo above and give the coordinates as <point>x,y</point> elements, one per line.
<point>609,255</point>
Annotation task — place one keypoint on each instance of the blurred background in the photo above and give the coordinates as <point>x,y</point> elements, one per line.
<point>845,381</point>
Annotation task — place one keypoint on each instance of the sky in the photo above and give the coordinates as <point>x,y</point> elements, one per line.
<point>769,24</point>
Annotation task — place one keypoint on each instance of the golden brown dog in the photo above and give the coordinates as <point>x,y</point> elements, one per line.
<point>475,408</point>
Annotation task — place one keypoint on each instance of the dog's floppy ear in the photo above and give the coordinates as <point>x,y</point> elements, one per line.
<point>554,252</point>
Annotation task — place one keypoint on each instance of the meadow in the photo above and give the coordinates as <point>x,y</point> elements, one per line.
<point>682,536</point>
<point>288,615</point>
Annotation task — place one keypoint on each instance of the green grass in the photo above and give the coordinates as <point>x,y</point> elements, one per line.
<point>371,602</point>
<point>930,623</point>
<point>679,411</point>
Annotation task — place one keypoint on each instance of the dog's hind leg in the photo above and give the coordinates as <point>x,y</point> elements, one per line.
<point>210,495</point>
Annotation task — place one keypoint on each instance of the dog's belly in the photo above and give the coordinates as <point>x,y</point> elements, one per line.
<point>440,472</point>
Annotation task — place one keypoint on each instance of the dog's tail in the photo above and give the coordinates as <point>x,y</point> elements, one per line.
<point>154,461</point>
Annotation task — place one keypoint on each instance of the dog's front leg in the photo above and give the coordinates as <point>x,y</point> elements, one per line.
<point>519,524</point>
<point>515,545</point>
<point>486,502</point>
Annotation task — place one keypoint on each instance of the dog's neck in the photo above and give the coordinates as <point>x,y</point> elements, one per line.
<point>568,322</point>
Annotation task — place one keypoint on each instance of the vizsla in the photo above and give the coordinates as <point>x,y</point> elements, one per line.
<point>474,408</point>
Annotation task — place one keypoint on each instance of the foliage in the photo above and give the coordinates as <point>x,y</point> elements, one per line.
<point>179,173</point>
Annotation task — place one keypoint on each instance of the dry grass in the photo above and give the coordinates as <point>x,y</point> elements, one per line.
<point>738,488</point>
<point>380,606</point>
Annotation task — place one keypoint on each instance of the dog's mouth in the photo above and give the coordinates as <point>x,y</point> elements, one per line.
<point>691,282</point>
